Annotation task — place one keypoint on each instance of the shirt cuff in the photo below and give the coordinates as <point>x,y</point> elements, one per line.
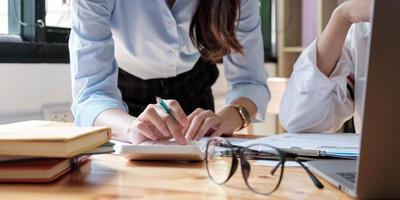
<point>308,77</point>
<point>86,112</point>
<point>258,94</point>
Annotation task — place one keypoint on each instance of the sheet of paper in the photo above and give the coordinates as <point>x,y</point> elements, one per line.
<point>272,163</point>
<point>340,144</point>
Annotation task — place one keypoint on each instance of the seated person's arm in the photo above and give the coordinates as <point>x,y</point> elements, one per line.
<point>331,41</point>
<point>317,99</point>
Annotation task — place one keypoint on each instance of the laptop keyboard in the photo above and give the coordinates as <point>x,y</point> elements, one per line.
<point>350,176</point>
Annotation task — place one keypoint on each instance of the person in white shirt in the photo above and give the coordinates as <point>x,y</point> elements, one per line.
<point>328,80</point>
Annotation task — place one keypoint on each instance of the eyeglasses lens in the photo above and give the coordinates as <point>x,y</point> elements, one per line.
<point>219,160</point>
<point>261,168</point>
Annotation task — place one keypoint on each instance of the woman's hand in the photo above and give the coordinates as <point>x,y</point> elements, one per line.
<point>207,123</point>
<point>356,11</point>
<point>155,124</point>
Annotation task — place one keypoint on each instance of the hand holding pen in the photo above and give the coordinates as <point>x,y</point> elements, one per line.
<point>161,121</point>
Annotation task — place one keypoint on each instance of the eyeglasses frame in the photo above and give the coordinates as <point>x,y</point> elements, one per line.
<point>245,166</point>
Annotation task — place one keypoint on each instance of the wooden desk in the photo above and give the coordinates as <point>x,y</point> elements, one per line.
<point>113,177</point>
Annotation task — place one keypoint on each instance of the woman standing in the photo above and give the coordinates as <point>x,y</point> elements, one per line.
<point>125,53</point>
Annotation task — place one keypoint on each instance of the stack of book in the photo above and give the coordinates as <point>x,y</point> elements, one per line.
<point>42,151</point>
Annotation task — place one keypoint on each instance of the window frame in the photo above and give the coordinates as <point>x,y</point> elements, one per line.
<point>31,43</point>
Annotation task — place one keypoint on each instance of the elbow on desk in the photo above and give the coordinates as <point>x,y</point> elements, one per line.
<point>306,123</point>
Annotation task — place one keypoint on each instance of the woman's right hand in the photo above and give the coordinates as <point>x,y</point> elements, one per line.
<point>155,124</point>
<point>356,11</point>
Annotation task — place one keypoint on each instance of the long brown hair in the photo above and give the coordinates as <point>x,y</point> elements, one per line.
<point>213,28</point>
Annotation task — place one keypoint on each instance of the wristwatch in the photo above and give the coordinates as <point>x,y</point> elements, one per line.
<point>244,116</point>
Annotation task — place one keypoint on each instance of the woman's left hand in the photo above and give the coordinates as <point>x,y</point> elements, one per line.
<point>207,123</point>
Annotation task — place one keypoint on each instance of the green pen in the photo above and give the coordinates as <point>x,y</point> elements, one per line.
<point>168,110</point>
<point>165,107</point>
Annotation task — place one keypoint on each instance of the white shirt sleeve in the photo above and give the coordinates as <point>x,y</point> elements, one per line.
<point>314,102</point>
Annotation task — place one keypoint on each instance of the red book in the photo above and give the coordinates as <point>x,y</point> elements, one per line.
<point>38,170</point>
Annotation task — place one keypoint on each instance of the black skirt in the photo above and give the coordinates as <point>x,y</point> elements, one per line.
<point>191,89</point>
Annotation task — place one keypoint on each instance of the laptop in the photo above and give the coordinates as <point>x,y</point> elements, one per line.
<point>376,173</point>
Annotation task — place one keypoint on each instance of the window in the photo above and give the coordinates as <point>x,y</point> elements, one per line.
<point>34,31</point>
<point>268,24</point>
<point>57,13</point>
<point>3,16</point>
<point>38,30</point>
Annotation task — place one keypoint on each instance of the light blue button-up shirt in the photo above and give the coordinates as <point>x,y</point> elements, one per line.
<point>149,40</point>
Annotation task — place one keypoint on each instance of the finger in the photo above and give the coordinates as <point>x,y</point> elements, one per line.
<point>154,129</point>
<point>217,132</point>
<point>175,129</point>
<point>190,119</point>
<point>205,127</point>
<point>146,131</point>
<point>178,112</point>
<point>152,115</point>
<point>196,123</point>
<point>194,114</point>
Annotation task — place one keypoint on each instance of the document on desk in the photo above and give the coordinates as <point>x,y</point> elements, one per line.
<point>342,145</point>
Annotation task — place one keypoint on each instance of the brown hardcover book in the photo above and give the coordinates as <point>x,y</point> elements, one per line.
<point>49,139</point>
<point>38,171</point>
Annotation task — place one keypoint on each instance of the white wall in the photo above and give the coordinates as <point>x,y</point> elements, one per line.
<point>26,88</point>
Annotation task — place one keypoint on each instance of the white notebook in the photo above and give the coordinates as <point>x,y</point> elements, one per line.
<point>344,145</point>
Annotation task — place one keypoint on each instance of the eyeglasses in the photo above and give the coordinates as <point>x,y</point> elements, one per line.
<point>262,178</point>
